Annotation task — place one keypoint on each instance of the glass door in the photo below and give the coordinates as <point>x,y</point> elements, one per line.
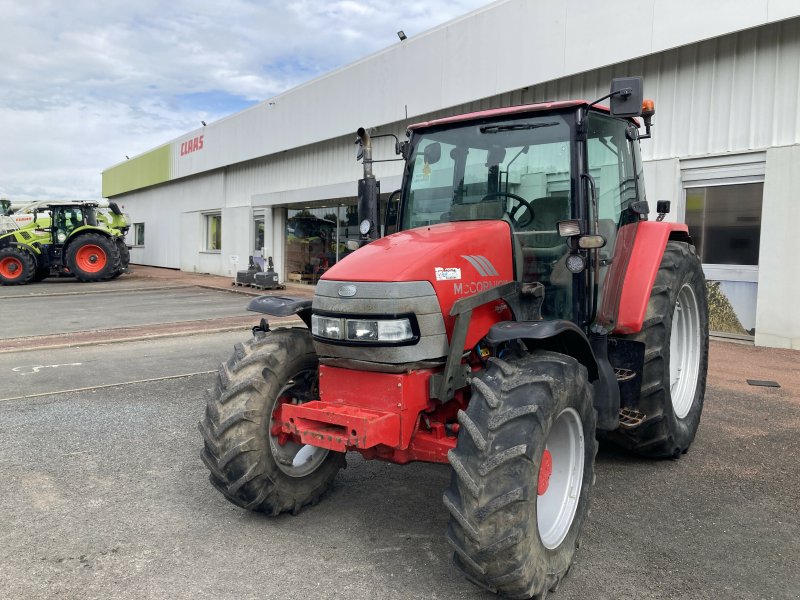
<point>316,239</point>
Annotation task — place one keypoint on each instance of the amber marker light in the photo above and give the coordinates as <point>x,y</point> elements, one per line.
<point>648,107</point>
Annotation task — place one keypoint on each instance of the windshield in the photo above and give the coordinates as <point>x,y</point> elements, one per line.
<point>495,170</point>
<point>518,170</point>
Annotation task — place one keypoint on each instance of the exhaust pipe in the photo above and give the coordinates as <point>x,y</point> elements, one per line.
<point>369,191</point>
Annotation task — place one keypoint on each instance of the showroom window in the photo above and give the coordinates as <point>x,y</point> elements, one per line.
<point>723,201</point>
<point>213,228</point>
<point>138,234</point>
<point>725,222</point>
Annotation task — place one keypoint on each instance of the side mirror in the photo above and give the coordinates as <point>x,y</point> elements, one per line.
<point>432,153</point>
<point>627,94</point>
<point>401,148</point>
<point>390,224</point>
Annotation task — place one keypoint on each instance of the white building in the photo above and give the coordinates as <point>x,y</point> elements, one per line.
<point>725,78</point>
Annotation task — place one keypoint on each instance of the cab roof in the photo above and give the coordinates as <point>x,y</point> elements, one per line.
<point>509,110</point>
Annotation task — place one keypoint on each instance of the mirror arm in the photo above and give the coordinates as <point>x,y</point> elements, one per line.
<point>396,142</point>
<point>623,92</point>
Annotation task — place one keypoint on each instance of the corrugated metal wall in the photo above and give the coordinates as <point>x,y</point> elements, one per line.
<point>734,93</point>
<point>332,161</point>
<point>731,94</point>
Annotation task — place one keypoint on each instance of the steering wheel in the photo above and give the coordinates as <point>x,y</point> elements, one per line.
<point>522,205</point>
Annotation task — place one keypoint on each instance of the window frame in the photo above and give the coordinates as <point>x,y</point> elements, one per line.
<point>135,228</point>
<point>207,220</point>
<point>717,171</point>
<point>259,216</point>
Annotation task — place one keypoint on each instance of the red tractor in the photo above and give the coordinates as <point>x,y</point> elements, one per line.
<point>524,303</point>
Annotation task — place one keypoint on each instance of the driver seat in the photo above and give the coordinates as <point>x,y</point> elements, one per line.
<point>547,211</point>
<point>540,250</point>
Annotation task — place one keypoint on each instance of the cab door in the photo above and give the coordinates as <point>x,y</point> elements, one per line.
<point>614,164</point>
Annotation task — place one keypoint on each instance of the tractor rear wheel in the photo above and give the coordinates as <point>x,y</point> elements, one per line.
<point>124,256</point>
<point>523,469</point>
<point>675,334</point>
<point>16,266</point>
<point>92,257</point>
<point>252,462</point>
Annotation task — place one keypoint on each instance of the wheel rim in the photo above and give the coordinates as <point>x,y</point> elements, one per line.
<point>296,460</point>
<point>684,352</point>
<point>11,267</point>
<point>556,507</point>
<point>91,258</point>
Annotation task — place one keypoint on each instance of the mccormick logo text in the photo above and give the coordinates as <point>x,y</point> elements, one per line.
<point>192,145</point>
<point>473,287</point>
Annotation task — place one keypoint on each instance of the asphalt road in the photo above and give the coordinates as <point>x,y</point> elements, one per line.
<point>31,374</point>
<point>44,313</point>
<point>104,496</point>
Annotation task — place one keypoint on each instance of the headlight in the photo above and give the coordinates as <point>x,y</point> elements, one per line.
<point>326,327</point>
<point>398,330</point>
<point>362,330</point>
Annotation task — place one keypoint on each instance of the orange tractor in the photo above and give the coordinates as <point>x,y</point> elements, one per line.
<point>519,303</point>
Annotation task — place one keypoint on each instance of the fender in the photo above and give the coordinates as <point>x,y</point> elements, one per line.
<point>633,285</point>
<point>567,338</point>
<point>560,336</point>
<point>87,229</point>
<point>278,306</point>
<point>34,251</point>
<point>76,233</point>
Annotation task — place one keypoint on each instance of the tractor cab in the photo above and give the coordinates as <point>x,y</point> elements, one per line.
<point>555,173</point>
<point>67,218</point>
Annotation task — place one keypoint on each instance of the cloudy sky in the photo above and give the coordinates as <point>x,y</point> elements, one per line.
<point>84,83</point>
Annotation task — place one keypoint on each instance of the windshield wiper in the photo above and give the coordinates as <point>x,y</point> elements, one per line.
<point>514,127</point>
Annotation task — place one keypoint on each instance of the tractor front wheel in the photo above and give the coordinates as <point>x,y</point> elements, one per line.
<point>92,257</point>
<point>17,267</point>
<point>675,334</point>
<point>523,469</point>
<point>252,462</point>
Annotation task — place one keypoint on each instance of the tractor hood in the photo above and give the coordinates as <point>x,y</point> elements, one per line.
<point>459,259</point>
<point>466,251</point>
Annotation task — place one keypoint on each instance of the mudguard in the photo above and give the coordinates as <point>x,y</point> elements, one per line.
<point>637,257</point>
<point>278,306</point>
<point>567,338</point>
<point>559,336</point>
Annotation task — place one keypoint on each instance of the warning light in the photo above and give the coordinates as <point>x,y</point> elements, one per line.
<point>648,107</point>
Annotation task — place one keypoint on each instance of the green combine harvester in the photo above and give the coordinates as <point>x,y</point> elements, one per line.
<point>85,239</point>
